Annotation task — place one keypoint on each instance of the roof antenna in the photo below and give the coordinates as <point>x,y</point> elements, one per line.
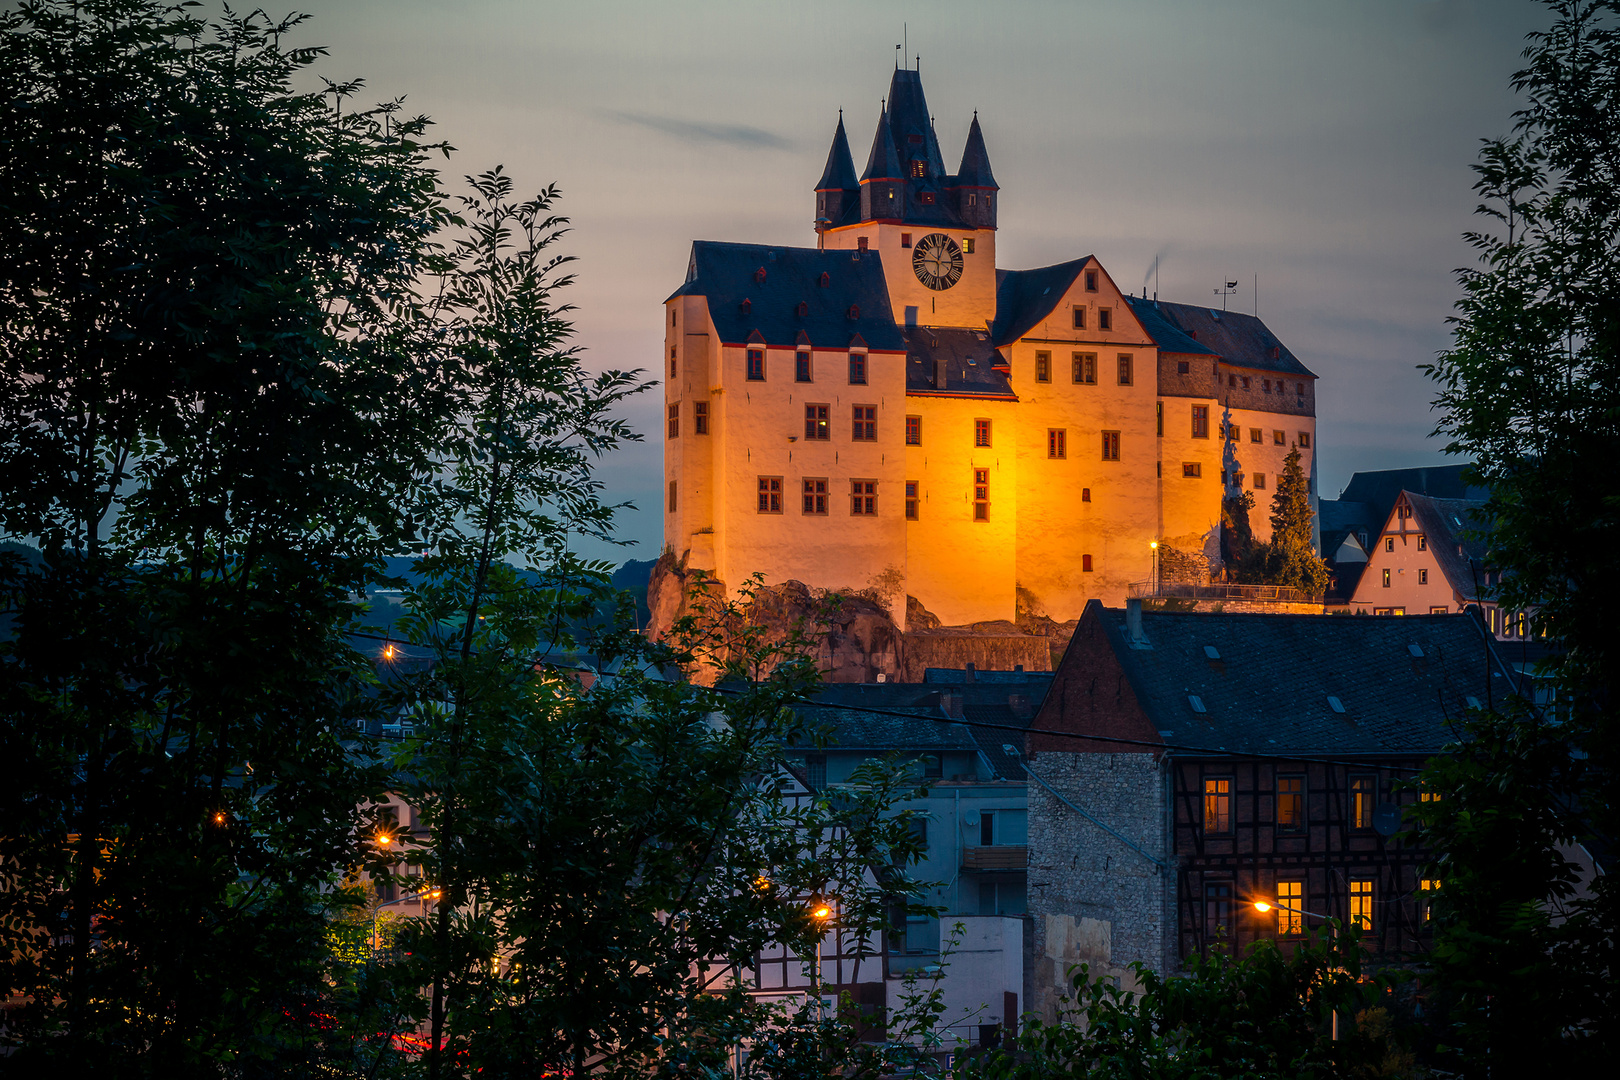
<point>905,39</point>
<point>897,55</point>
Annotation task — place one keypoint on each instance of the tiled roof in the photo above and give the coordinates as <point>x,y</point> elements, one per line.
<point>970,363</point>
<point>1272,687</point>
<point>1025,297</point>
<point>1238,339</point>
<point>728,274</point>
<point>1165,334</point>
<point>1442,521</point>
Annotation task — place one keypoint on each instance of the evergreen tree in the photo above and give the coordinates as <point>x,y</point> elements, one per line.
<point>1290,557</point>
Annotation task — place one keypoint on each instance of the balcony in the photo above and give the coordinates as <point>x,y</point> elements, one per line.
<point>997,857</point>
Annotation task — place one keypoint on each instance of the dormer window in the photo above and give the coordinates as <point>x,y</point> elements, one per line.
<point>919,169</point>
<point>746,306</point>
<point>826,279</point>
<point>804,309</point>
<point>854,311</point>
<point>759,276</point>
<point>926,198</point>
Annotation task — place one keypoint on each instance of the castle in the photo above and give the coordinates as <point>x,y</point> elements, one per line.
<point>891,408</point>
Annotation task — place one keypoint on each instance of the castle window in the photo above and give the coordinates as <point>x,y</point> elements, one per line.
<point>857,369</point>
<point>1304,440</point>
<point>981,494</point>
<point>674,420</point>
<point>1057,443</point>
<point>672,316</point>
<point>1043,367</point>
<point>913,431</point>
<point>967,242</point>
<point>756,365</point>
<point>919,169</point>
<point>1231,380</point>
<point>815,496</point>
<point>1183,367</point>
<point>746,306</point>
<point>973,198</point>
<point>864,428</point>
<point>1256,435</point>
<point>854,311</point>
<point>1233,432</point>
<point>905,239</point>
<point>1192,470</point>
<point>816,422</point>
<point>672,496</point>
<point>770,494</point>
<point>1158,419</point>
<point>1091,281</point>
<point>1079,316</point>
<point>1105,318</point>
<point>1279,439</point>
<point>1217,805</point>
<point>863,498</point>
<point>1245,382</point>
<point>1200,421</point>
<point>981,432</point>
<point>1124,368</point>
<point>911,500</point>
<point>926,198</point>
<point>861,243</point>
<point>987,202</point>
<point>801,367</point>
<point>1085,494</point>
<point>1299,388</point>
<point>700,418</point>
<point>1110,446</point>
<point>1259,481</point>
<point>1423,577</point>
<point>1085,563</point>
<point>1085,366</point>
<point>1266,386</point>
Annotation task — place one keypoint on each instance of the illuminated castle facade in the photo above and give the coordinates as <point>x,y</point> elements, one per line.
<point>890,406</point>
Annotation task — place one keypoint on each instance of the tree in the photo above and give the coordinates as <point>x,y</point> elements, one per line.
<point>1530,392</point>
<point>212,411</point>
<point>1289,558</point>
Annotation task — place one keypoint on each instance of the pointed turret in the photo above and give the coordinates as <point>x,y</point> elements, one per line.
<point>883,183</point>
<point>975,185</point>
<point>838,191</point>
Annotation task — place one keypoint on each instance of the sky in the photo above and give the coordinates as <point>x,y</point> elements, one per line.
<point>1318,152</point>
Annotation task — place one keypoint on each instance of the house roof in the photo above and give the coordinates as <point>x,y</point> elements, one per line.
<point>1442,522</point>
<point>1401,680</point>
<point>1025,297</point>
<point>727,274</point>
<point>1238,339</point>
<point>970,363</point>
<point>1165,334</point>
<point>1378,490</point>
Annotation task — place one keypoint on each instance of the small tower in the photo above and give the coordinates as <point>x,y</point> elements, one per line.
<point>838,192</point>
<point>883,185</point>
<point>974,186</point>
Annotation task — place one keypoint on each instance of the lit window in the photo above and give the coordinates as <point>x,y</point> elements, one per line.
<point>1110,446</point>
<point>672,367</point>
<point>1218,805</point>
<point>1105,318</point>
<point>981,432</point>
<point>801,367</point>
<point>1290,907</point>
<point>911,500</point>
<point>674,420</point>
<point>1057,443</point>
<point>1361,902</point>
<point>863,497</point>
<point>1389,543</point>
<point>815,496</point>
<point>770,494</point>
<point>1423,577</point>
<point>700,418</point>
<point>1426,890</point>
<point>857,369</point>
<point>864,428</point>
<point>1192,470</point>
<point>1440,609</point>
<point>967,244</point>
<point>816,422</point>
<point>756,365</point>
<point>1085,368</point>
<point>1363,793</point>
<point>1290,803</point>
<point>1200,421</point>
<point>1124,369</point>
<point>1423,542</point>
<point>919,169</point>
<point>981,494</point>
<point>1386,578</point>
<point>1043,367</point>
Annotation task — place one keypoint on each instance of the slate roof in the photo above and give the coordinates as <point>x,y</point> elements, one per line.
<point>883,163</point>
<point>1379,489</point>
<point>1268,691</point>
<point>1025,297</point>
<point>1165,334</point>
<point>975,167</point>
<point>1238,339</point>
<point>1442,521</point>
<point>839,175</point>
<point>970,363</point>
<point>726,274</point>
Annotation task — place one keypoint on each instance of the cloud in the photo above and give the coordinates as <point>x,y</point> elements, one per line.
<point>694,131</point>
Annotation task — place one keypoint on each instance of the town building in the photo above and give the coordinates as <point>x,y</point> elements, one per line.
<point>891,405</point>
<point>1187,764</point>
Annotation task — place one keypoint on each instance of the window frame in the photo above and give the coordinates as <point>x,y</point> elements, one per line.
<point>769,495</point>
<point>1079,316</point>
<point>982,433</point>
<point>1361,799</point>
<point>804,366</point>
<point>857,369</point>
<point>672,421</point>
<point>1281,796</point>
<point>814,496</point>
<point>912,500</point>
<point>981,494</point>
<point>1192,470</point>
<point>1290,917</point>
<point>1043,367</point>
<point>1057,444</point>
<point>1360,902</point>
<point>817,426</point>
<point>914,430</point>
<point>858,508</point>
<point>754,365</point>
<point>1200,421</point>
<point>1105,319</point>
<point>1127,369</point>
<point>1110,446</point>
<point>700,417</point>
<point>1084,369</point>
<point>858,433</point>
<point>1218,817</point>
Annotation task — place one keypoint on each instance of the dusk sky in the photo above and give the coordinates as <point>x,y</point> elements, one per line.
<point>1323,146</point>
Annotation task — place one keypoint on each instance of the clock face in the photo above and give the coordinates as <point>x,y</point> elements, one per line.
<point>937,259</point>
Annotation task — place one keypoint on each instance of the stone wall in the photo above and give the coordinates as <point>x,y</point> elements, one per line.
<point>1093,899</point>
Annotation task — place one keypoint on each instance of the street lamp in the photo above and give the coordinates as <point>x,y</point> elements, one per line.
<point>1153,581</point>
<point>821,911</point>
<point>1263,906</point>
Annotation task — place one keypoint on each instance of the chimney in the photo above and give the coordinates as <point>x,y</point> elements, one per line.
<point>1134,635</point>
<point>950,703</point>
<point>968,675</point>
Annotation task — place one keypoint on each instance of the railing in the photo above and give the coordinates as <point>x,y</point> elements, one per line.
<point>1219,590</point>
<point>999,857</point>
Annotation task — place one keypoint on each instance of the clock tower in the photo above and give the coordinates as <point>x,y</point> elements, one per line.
<point>934,231</point>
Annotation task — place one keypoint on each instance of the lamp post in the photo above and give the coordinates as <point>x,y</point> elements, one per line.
<point>821,911</point>
<point>1263,906</point>
<point>421,897</point>
<point>1153,576</point>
